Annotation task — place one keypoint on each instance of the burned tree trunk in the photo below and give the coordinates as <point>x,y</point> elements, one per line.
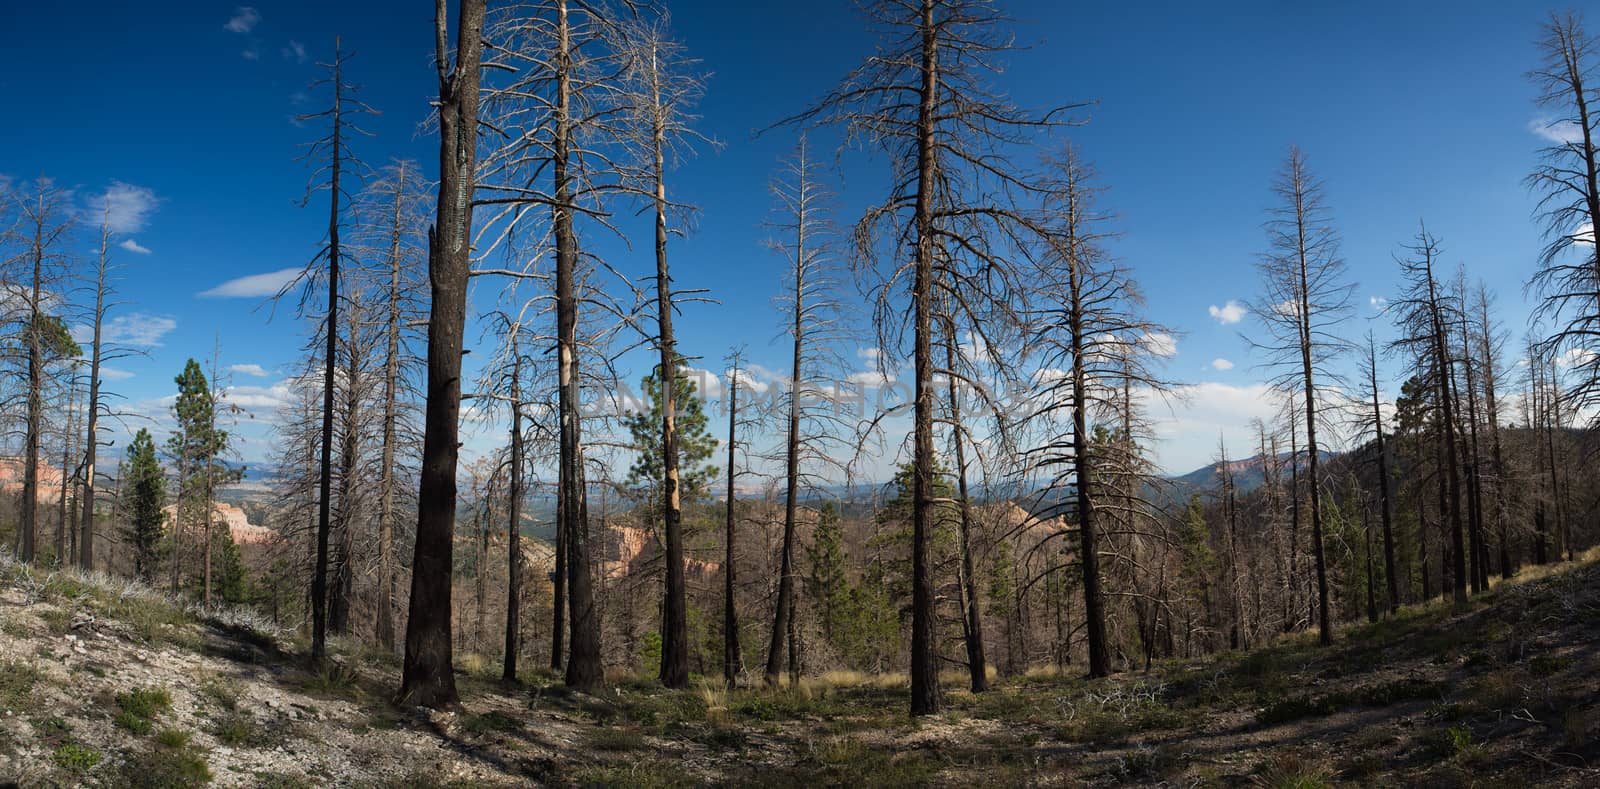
<point>429,675</point>
<point>732,657</point>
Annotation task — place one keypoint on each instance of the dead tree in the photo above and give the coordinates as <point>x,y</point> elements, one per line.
<point>1304,297</point>
<point>1477,543</point>
<point>555,105</point>
<point>429,676</point>
<point>1094,345</point>
<point>1424,312</point>
<point>361,339</point>
<point>514,495</point>
<point>732,655</point>
<point>662,89</point>
<point>1380,449</point>
<point>333,153</point>
<point>1230,517</point>
<point>925,99</point>
<point>46,219</point>
<point>390,212</point>
<point>971,605</point>
<point>99,353</point>
<point>1567,184</point>
<point>1489,342</point>
<point>802,234</point>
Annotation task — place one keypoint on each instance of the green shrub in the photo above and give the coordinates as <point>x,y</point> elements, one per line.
<point>1295,708</point>
<point>617,740</point>
<point>492,721</point>
<point>174,738</point>
<point>1456,743</point>
<point>167,767</point>
<point>137,708</point>
<point>235,728</point>
<point>1545,665</point>
<point>17,678</point>
<point>145,702</point>
<point>76,758</point>
<point>1291,771</point>
<point>335,681</point>
<point>133,723</point>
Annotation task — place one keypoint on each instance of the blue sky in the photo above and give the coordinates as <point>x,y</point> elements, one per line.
<point>1407,111</point>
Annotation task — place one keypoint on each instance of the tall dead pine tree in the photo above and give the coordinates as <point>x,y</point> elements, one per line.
<point>46,219</point>
<point>925,99</point>
<point>97,356</point>
<point>662,89</point>
<point>1568,187</point>
<point>1304,297</point>
<point>1087,324</point>
<point>1380,448</point>
<point>429,676</point>
<point>333,152</point>
<point>1424,313</point>
<point>801,235</point>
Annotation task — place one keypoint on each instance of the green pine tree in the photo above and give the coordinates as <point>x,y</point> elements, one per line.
<point>197,448</point>
<point>695,444</point>
<point>827,584</point>
<point>145,488</point>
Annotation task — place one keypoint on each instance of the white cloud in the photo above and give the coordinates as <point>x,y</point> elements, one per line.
<point>254,370</point>
<point>244,20</point>
<point>870,354</point>
<point>1232,312</point>
<point>1584,234</point>
<point>253,286</point>
<point>126,207</point>
<point>1221,364</point>
<point>1378,302</point>
<point>251,54</point>
<point>1559,132</point>
<point>1287,308</point>
<point>135,329</point>
<point>1160,344</point>
<point>113,374</point>
<point>1188,425</point>
<point>263,399</point>
<point>871,378</point>
<point>1574,357</point>
<point>134,247</point>
<point>706,383</point>
<point>749,381</point>
<point>296,51</point>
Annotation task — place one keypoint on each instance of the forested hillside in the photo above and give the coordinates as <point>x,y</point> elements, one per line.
<point>567,466</point>
<point>107,683</point>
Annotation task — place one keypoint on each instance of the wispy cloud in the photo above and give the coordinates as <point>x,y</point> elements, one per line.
<point>136,329</point>
<point>253,370</point>
<point>1188,423</point>
<point>1232,312</point>
<point>1221,364</point>
<point>1378,302</point>
<point>871,379</point>
<point>1160,344</point>
<point>126,207</point>
<point>251,54</point>
<point>113,374</point>
<point>1558,132</point>
<point>296,51</point>
<point>134,247</point>
<point>254,286</point>
<point>1575,357</point>
<point>244,20</point>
